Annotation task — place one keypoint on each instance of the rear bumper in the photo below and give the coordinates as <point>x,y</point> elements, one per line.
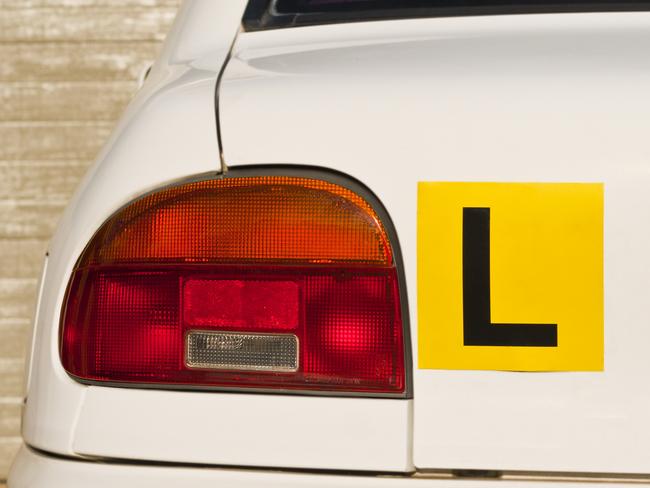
<point>35,470</point>
<point>32,469</point>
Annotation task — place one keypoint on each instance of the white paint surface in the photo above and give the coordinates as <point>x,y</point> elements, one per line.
<point>528,98</point>
<point>520,98</point>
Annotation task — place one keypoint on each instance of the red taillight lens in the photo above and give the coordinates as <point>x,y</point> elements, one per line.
<point>264,282</point>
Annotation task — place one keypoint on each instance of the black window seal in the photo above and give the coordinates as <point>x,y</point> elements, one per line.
<point>261,14</point>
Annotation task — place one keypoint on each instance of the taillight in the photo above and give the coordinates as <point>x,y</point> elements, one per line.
<point>243,282</point>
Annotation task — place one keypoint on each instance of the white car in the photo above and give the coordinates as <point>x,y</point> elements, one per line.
<point>359,243</point>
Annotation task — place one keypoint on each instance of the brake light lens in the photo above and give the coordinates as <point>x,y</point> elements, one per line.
<point>256,282</point>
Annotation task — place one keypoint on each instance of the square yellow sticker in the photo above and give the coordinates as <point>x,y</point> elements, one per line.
<point>510,276</point>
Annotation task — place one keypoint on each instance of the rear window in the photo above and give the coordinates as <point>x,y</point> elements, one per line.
<point>268,14</point>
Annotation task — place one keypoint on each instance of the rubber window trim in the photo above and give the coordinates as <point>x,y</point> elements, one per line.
<point>262,14</point>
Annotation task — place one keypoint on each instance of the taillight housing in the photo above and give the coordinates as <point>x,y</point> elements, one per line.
<point>245,282</point>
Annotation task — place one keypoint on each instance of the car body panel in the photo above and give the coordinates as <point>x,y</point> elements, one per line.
<point>169,134</point>
<point>246,429</point>
<point>528,98</point>
<point>138,161</point>
<point>36,470</point>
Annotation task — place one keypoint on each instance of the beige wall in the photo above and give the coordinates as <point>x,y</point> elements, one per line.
<point>67,69</point>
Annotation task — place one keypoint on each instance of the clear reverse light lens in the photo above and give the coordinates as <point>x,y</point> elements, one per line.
<point>244,352</point>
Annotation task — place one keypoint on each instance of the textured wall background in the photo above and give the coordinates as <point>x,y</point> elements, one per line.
<point>67,70</point>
